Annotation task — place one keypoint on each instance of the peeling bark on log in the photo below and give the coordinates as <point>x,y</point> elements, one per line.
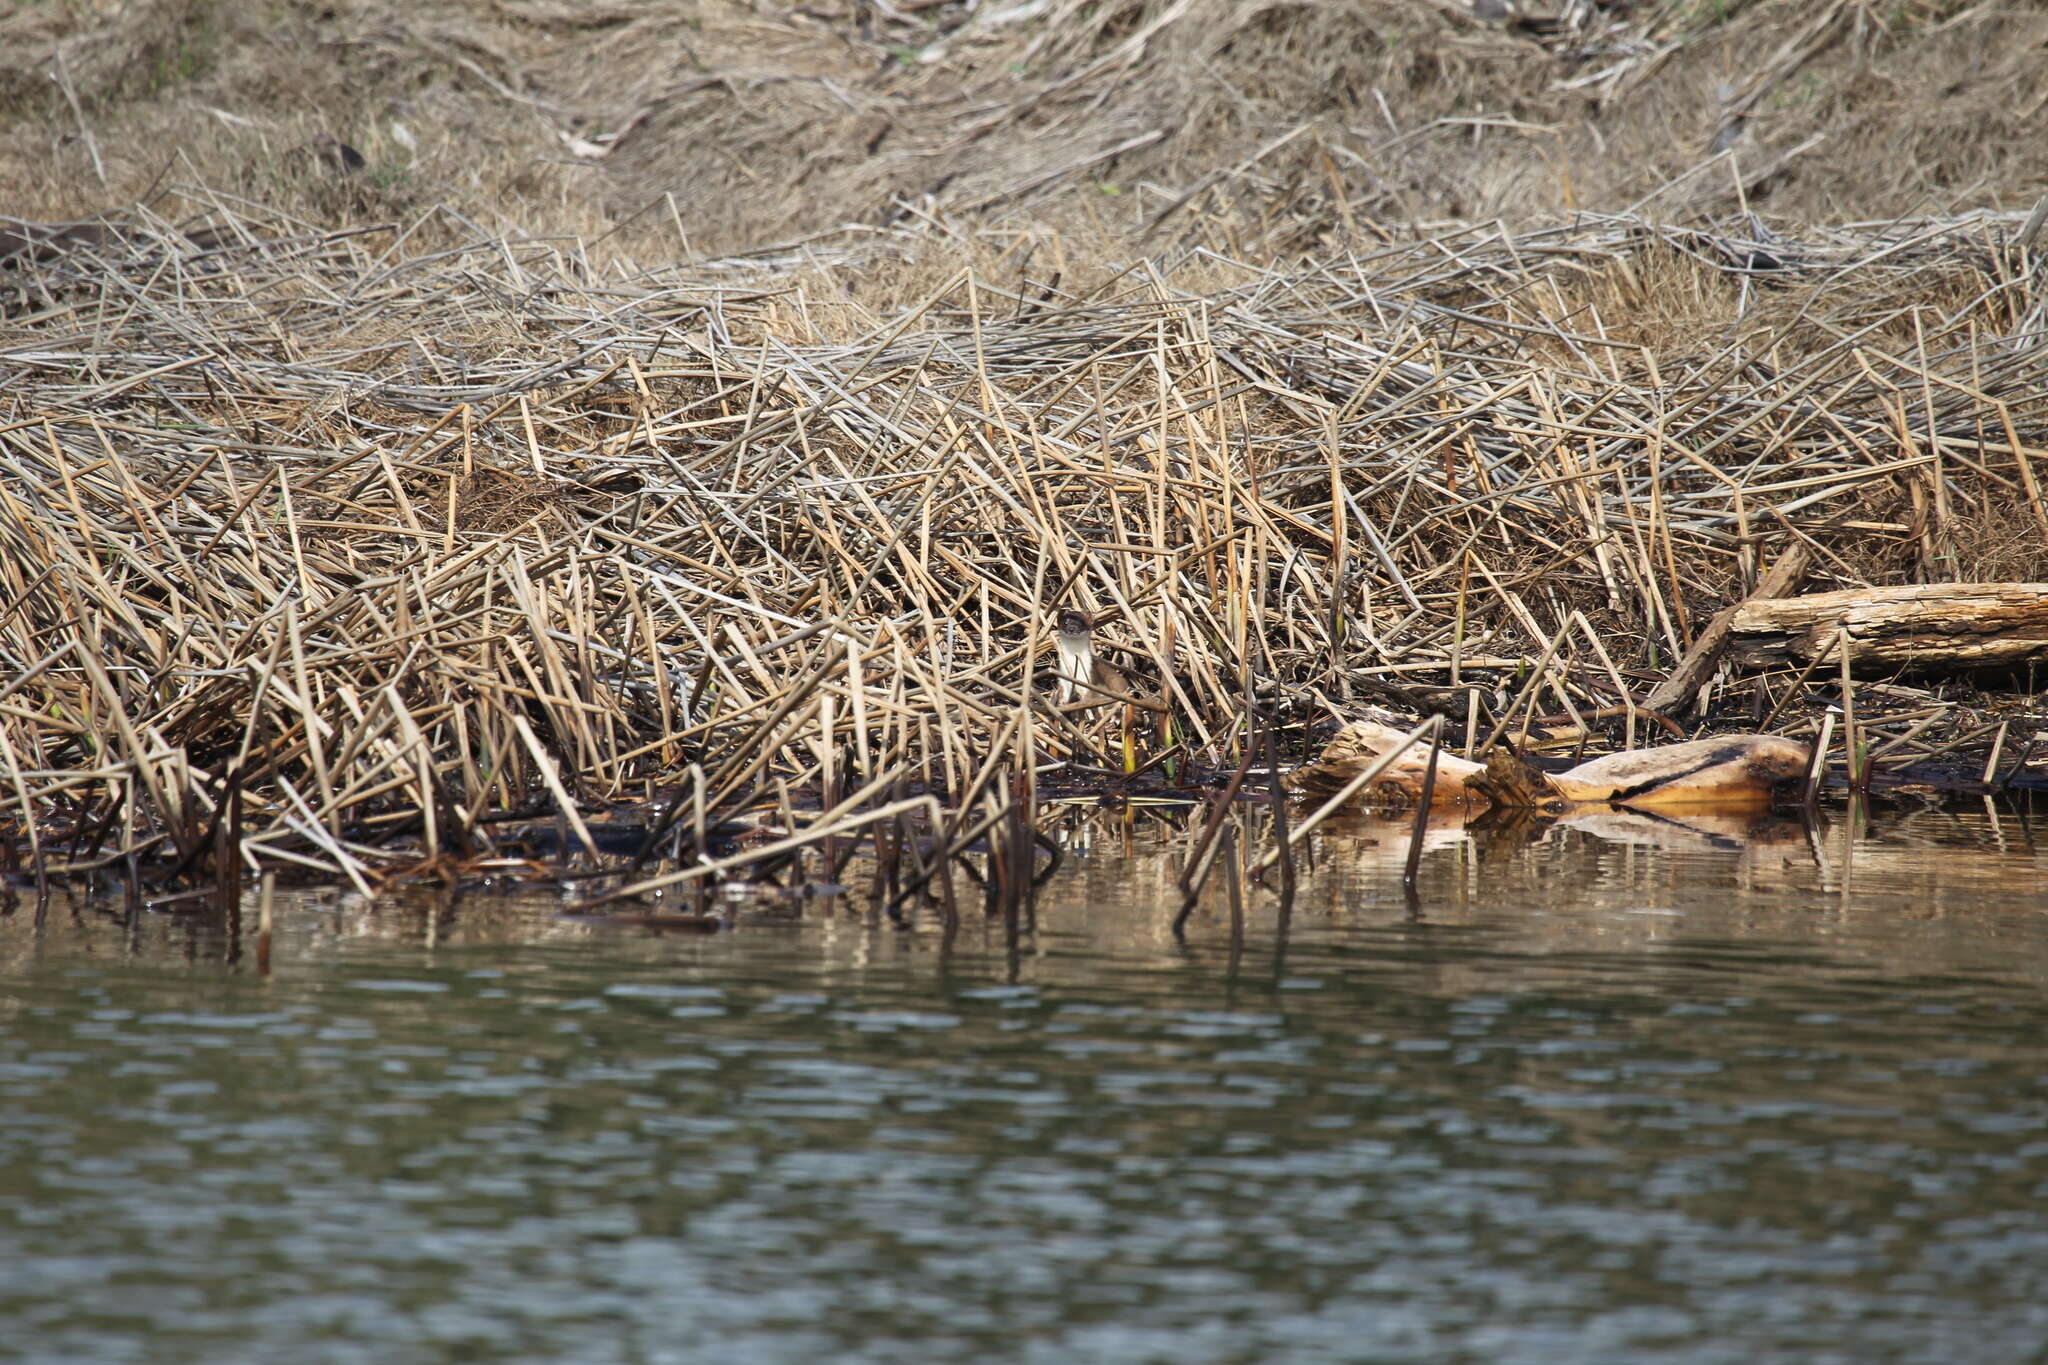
<point>1933,627</point>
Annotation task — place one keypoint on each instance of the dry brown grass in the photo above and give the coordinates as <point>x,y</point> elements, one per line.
<point>1273,127</point>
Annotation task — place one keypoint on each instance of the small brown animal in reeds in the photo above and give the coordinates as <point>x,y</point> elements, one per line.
<point>1087,680</point>
<point>1077,652</point>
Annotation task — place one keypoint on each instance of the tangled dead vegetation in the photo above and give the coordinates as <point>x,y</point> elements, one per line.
<point>1271,126</point>
<point>333,553</point>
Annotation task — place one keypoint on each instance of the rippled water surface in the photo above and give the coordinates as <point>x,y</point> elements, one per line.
<point>1629,1091</point>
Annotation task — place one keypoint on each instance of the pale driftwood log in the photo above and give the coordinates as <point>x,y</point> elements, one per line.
<point>1361,743</point>
<point>1732,772</point>
<point>1727,772</point>
<point>1932,627</point>
<point>1679,692</point>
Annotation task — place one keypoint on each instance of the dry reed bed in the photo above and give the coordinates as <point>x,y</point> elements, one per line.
<point>318,553</point>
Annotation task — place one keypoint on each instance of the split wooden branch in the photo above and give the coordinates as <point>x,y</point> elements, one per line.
<point>1678,693</point>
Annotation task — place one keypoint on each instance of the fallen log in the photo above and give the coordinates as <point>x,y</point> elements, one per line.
<point>1732,772</point>
<point>1931,627</point>
<point>1361,743</point>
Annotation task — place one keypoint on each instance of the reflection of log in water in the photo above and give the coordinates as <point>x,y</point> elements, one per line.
<point>1380,843</point>
<point>1751,831</point>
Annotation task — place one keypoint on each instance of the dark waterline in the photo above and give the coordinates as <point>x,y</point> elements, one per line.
<point>1629,1093</point>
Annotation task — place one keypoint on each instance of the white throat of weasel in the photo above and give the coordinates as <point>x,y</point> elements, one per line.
<point>1077,653</point>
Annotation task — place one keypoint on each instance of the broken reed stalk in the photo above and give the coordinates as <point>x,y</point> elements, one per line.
<point>544,558</point>
<point>2019,764</point>
<point>1202,856</point>
<point>266,895</point>
<point>1234,884</point>
<point>1818,768</point>
<point>1998,744</point>
<point>1413,865</point>
<point>1282,845</point>
<point>1852,769</point>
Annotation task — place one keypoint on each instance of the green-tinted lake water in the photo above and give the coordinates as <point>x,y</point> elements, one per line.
<point>1625,1092</point>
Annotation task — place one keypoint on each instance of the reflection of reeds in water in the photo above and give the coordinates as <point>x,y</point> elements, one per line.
<point>1597,881</point>
<point>1594,880</point>
<point>317,604</point>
